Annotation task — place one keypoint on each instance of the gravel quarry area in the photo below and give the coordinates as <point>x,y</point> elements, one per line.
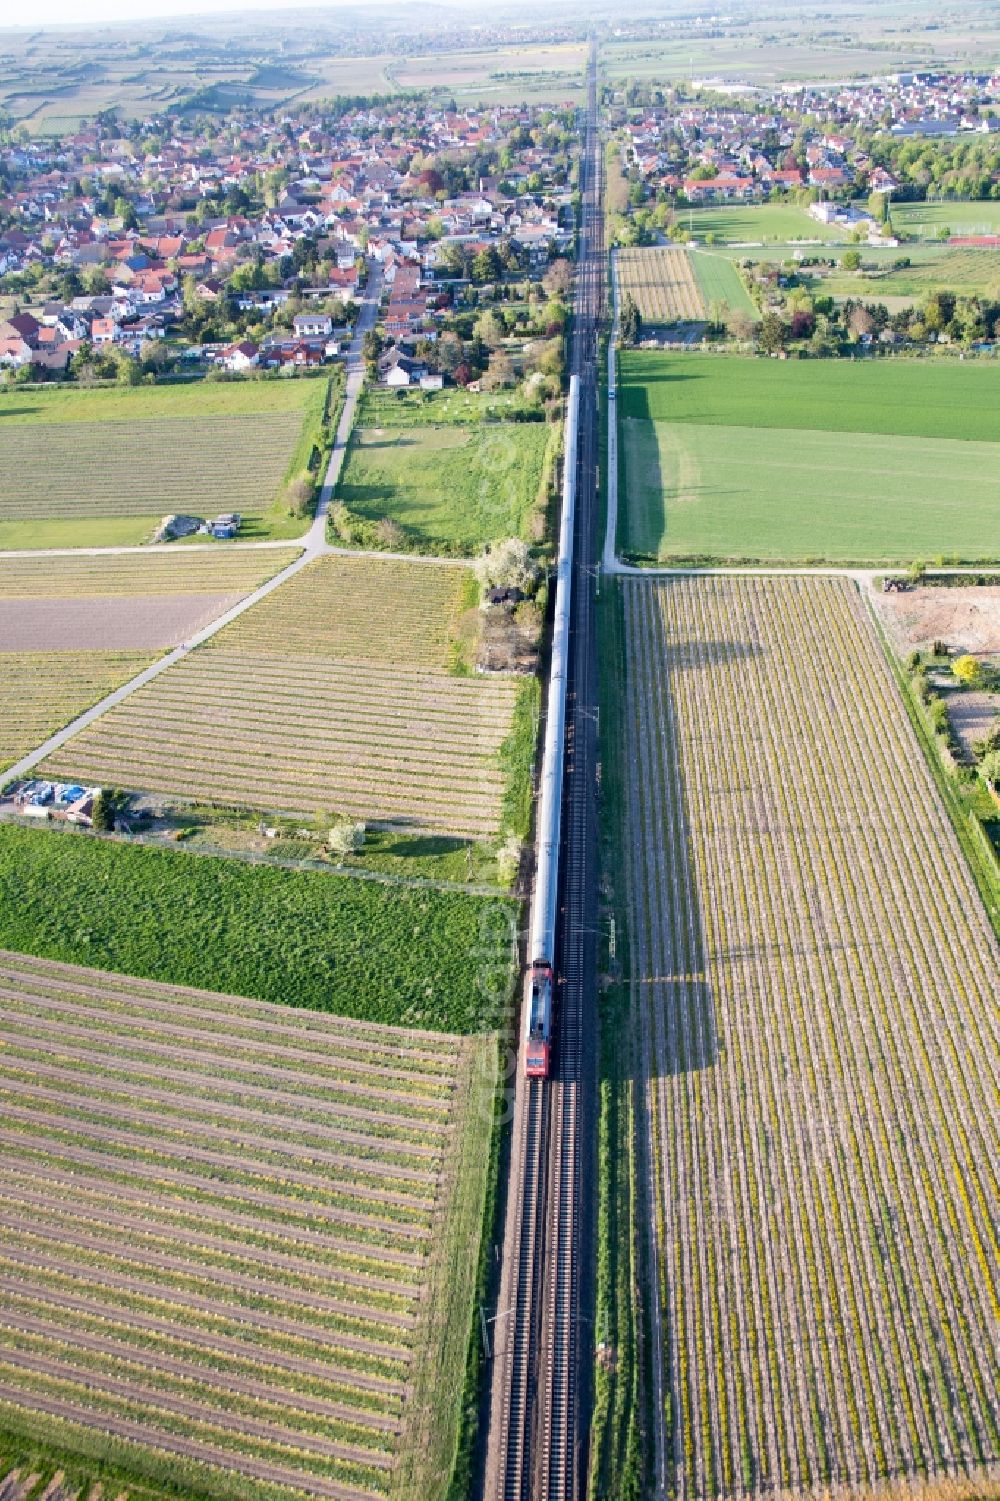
<point>107,623</point>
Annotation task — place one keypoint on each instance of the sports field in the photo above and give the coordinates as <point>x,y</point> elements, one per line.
<point>103,467</point>
<point>756,222</point>
<point>238,1242</point>
<point>813,993</point>
<point>780,460</point>
<point>448,487</point>
<point>980,217</point>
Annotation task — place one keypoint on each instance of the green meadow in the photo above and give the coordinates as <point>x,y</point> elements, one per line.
<point>793,460</point>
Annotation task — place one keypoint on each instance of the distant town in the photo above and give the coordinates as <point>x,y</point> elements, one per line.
<point>142,249</point>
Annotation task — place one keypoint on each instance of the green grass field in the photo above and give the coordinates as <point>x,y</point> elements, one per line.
<point>719,281</point>
<point>103,467</point>
<point>962,218</point>
<point>446,488</point>
<point>734,458</point>
<point>755,222</point>
<point>907,397</point>
<point>972,271</point>
<point>326,942</point>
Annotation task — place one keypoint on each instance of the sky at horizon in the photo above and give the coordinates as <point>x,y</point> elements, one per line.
<point>96,12</point>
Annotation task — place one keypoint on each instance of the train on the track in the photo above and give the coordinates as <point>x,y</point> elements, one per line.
<point>540,982</point>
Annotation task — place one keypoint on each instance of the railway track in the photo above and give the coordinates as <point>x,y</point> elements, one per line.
<point>540,1389</point>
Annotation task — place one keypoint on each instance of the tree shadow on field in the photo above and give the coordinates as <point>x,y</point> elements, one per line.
<point>697,655</point>
<point>674,981</point>
<point>19,412</point>
<point>417,847</point>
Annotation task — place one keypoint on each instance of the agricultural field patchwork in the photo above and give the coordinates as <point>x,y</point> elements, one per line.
<point>238,1236</point>
<point>72,629</point>
<point>449,488</point>
<point>813,987</point>
<point>671,284</point>
<point>720,284</point>
<point>755,459</point>
<point>79,470</point>
<point>323,700</point>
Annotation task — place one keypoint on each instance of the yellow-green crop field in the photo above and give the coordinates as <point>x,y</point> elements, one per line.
<point>813,981</point>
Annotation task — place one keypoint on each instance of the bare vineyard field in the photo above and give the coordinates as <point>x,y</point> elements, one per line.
<point>223,1227</point>
<point>405,748</point>
<point>115,462</point>
<point>180,571</point>
<point>40,691</point>
<point>371,609</point>
<point>150,623</point>
<point>814,988</point>
<point>147,467</point>
<point>663,283</point>
<point>332,696</point>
